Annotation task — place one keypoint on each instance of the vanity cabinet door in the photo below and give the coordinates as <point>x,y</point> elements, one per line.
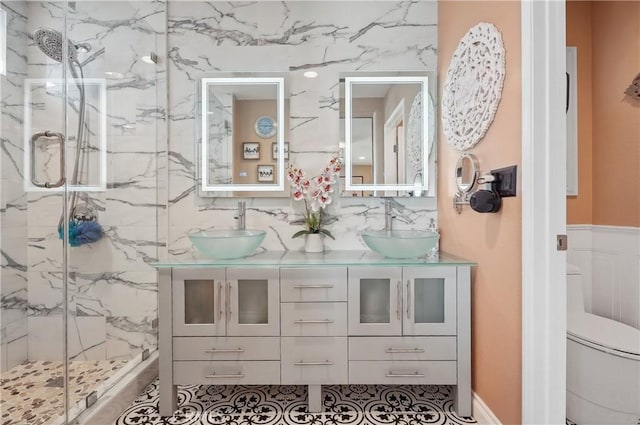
<point>198,297</point>
<point>429,301</point>
<point>252,302</point>
<point>375,300</point>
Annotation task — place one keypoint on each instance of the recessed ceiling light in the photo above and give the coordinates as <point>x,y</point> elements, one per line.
<point>310,74</point>
<point>362,157</point>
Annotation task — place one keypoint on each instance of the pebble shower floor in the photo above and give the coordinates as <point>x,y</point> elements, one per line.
<point>32,392</point>
<point>286,404</point>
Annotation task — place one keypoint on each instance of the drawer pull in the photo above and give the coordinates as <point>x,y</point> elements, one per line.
<point>404,375</point>
<point>214,375</point>
<point>325,286</point>
<point>404,350</point>
<point>302,322</point>
<point>323,363</point>
<point>224,350</point>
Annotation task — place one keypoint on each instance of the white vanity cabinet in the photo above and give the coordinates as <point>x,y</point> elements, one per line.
<point>338,318</point>
<point>402,301</point>
<point>233,302</point>
<point>403,325</point>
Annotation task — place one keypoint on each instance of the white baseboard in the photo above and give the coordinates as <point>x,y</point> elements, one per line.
<point>482,413</point>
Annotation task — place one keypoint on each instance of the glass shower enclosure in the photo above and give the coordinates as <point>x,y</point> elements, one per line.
<point>81,94</point>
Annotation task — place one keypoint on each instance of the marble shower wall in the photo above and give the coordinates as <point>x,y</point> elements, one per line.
<point>13,199</point>
<point>291,36</point>
<point>112,290</point>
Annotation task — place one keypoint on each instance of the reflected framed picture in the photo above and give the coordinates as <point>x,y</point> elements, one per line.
<point>265,173</point>
<point>274,151</point>
<point>251,150</point>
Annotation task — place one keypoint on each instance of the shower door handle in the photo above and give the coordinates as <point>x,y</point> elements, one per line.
<point>60,140</point>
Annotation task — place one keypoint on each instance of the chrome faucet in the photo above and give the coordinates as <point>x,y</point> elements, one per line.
<point>240,215</point>
<point>388,214</point>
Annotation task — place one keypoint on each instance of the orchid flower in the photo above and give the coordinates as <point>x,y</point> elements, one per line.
<point>315,193</point>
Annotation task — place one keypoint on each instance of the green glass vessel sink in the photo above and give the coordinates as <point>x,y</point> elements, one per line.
<point>400,243</point>
<point>227,243</point>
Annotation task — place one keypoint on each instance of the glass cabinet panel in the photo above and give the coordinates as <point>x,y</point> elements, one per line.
<point>375,300</point>
<point>429,300</point>
<point>253,301</point>
<point>199,301</point>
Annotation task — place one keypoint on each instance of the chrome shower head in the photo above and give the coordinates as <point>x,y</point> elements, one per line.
<point>49,41</point>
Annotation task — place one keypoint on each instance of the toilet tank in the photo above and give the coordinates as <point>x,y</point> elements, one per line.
<point>575,293</point>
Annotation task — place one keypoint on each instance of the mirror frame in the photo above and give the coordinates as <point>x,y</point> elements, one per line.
<point>349,82</point>
<point>279,82</point>
<point>465,193</point>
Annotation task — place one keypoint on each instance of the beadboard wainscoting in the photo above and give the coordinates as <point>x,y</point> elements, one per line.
<point>609,259</point>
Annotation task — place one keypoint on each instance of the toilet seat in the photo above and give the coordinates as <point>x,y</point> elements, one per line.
<point>607,334</point>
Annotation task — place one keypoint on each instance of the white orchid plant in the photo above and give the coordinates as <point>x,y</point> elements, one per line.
<point>316,194</point>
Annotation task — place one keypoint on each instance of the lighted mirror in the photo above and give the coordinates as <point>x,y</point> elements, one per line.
<point>467,172</point>
<point>388,125</point>
<point>243,130</point>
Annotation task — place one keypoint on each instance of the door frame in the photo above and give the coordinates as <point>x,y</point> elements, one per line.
<point>543,211</point>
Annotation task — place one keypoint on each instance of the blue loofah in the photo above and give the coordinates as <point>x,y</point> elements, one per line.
<point>82,232</point>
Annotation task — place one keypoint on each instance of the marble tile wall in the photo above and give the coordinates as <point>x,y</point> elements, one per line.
<point>13,199</point>
<point>151,200</point>
<point>291,36</point>
<point>112,289</point>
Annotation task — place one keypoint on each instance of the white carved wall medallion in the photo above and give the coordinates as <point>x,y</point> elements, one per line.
<point>473,87</point>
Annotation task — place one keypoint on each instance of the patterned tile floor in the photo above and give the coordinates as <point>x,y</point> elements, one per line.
<point>286,404</point>
<point>32,392</point>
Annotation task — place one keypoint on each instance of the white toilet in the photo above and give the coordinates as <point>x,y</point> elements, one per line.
<point>603,364</point>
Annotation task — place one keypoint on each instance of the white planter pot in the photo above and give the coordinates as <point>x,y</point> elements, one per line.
<point>313,242</point>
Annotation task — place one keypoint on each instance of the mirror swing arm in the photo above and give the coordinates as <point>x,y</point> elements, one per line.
<point>206,82</point>
<point>348,96</point>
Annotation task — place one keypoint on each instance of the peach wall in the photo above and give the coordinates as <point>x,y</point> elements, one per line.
<point>492,240</point>
<point>616,119</point>
<point>580,208</point>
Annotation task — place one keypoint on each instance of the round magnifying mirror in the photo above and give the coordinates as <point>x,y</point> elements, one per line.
<point>467,172</point>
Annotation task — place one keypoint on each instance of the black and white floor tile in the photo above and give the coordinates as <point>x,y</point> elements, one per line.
<point>287,404</point>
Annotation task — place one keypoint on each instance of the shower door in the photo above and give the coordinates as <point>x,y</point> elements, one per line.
<point>79,130</point>
<point>34,279</point>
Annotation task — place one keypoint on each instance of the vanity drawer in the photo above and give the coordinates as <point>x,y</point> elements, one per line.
<point>402,372</point>
<point>313,284</point>
<point>226,372</point>
<point>402,348</point>
<point>314,360</point>
<point>313,319</point>
<point>226,348</point>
